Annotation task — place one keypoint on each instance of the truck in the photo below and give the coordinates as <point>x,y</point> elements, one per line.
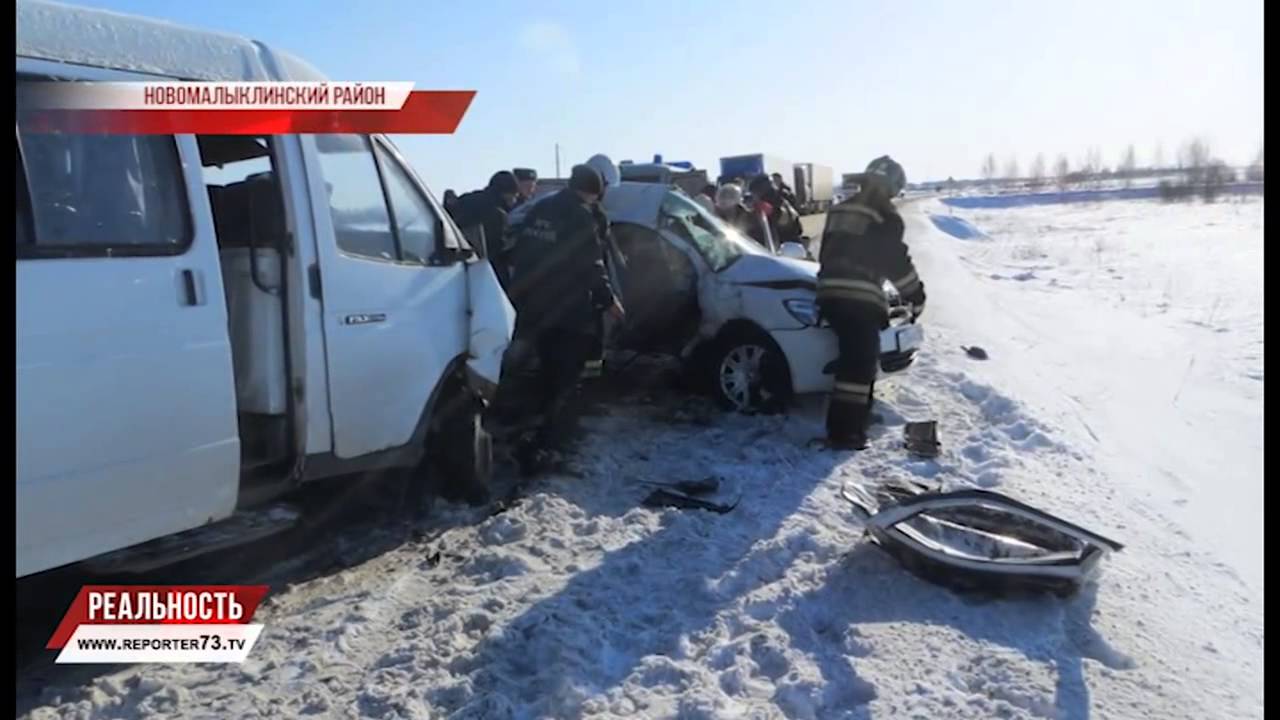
<point>850,182</point>
<point>745,167</point>
<point>814,187</point>
<point>205,323</point>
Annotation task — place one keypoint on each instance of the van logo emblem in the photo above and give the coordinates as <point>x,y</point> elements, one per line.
<point>364,319</point>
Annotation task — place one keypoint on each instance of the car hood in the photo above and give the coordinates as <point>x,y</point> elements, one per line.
<point>772,271</point>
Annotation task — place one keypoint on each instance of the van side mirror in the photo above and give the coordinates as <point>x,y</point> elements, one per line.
<point>474,235</point>
<point>452,255</point>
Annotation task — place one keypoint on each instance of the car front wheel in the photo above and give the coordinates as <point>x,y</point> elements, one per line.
<point>749,374</point>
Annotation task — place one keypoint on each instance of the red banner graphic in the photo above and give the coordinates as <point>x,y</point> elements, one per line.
<point>426,112</point>
<point>159,605</point>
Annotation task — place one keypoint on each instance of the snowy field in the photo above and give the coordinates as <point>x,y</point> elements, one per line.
<point>1147,317</point>
<point>1123,392</point>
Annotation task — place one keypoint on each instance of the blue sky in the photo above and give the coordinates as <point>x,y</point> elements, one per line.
<point>936,83</point>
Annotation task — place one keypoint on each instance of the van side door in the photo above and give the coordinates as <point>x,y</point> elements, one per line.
<point>126,399</point>
<point>395,308</point>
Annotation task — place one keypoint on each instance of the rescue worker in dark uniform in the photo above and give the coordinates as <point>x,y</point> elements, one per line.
<point>862,245</point>
<point>560,288</point>
<point>488,208</point>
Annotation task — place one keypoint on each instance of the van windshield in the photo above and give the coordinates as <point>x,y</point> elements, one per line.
<point>719,243</point>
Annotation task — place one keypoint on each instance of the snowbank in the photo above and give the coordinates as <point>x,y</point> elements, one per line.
<point>956,227</point>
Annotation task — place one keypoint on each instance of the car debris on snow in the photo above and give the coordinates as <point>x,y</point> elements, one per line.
<point>667,498</point>
<point>921,438</point>
<point>705,486</point>
<point>978,540</point>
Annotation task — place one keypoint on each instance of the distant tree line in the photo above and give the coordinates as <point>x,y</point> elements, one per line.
<point>1196,172</point>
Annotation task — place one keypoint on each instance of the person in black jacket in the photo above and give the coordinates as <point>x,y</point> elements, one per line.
<point>560,288</point>
<point>784,190</point>
<point>781,217</point>
<point>862,246</point>
<point>488,208</point>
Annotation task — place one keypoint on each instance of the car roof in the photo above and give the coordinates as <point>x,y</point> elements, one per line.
<point>628,202</point>
<point>99,38</point>
<point>635,202</point>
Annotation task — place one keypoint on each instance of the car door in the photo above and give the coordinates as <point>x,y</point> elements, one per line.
<point>126,399</point>
<point>395,309</point>
<point>659,289</point>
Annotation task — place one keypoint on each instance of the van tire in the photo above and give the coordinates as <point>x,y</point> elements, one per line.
<point>751,356</point>
<point>461,450</point>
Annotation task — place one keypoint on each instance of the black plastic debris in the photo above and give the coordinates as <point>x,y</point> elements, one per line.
<point>705,486</point>
<point>921,438</point>
<point>978,540</point>
<point>667,498</point>
<point>974,352</point>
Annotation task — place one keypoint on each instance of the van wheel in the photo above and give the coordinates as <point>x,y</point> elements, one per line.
<point>462,451</point>
<point>748,373</point>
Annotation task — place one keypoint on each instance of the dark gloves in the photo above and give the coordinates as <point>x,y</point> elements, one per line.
<point>916,300</point>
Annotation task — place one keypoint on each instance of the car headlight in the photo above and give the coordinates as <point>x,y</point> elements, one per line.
<point>805,311</point>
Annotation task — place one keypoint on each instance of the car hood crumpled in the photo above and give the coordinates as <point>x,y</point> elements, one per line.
<point>772,271</point>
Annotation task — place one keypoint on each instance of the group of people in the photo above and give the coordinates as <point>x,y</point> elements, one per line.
<point>553,267</point>
<point>488,209</point>
<point>763,209</point>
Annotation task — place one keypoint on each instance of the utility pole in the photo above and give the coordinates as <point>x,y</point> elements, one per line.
<point>557,161</point>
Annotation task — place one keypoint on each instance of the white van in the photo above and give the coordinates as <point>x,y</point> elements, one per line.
<point>207,322</point>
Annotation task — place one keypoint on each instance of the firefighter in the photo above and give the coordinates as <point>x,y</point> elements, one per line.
<point>862,246</point>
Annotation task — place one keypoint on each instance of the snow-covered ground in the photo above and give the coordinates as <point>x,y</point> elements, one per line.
<point>1147,317</point>
<point>1111,397</point>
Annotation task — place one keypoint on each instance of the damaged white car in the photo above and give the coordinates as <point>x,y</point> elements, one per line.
<point>744,321</point>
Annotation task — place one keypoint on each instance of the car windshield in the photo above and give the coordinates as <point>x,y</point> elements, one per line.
<point>718,242</point>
